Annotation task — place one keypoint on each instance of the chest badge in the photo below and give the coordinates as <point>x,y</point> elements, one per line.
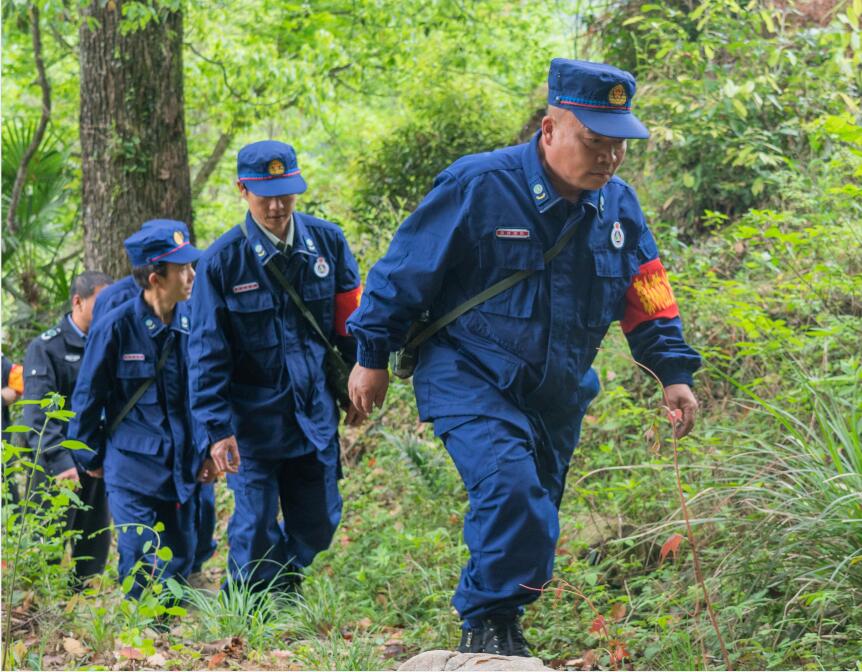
<point>321,267</point>
<point>134,357</point>
<point>245,287</point>
<point>618,238</point>
<point>72,358</point>
<point>512,233</point>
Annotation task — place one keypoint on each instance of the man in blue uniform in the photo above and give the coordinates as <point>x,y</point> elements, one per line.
<point>257,369</point>
<point>520,360</point>
<point>134,373</point>
<point>111,297</point>
<point>51,365</point>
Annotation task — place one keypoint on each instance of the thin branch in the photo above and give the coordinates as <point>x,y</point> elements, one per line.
<point>209,166</point>
<point>21,175</point>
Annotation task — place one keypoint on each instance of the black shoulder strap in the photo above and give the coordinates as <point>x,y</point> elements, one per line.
<point>130,404</point>
<point>276,273</point>
<point>486,294</point>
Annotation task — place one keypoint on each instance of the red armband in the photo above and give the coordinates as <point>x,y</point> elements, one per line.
<point>345,304</point>
<point>648,297</point>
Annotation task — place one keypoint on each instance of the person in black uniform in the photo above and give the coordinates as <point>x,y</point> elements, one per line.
<point>51,365</point>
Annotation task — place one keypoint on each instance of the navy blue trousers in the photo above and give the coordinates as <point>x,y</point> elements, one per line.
<point>206,521</point>
<point>264,552</point>
<point>514,484</point>
<point>131,509</point>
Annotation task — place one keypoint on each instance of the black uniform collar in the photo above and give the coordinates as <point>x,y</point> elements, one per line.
<point>72,338</point>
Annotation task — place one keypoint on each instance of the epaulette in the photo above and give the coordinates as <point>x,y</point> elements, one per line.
<point>48,335</point>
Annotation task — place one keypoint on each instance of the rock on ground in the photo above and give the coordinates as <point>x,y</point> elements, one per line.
<point>452,660</point>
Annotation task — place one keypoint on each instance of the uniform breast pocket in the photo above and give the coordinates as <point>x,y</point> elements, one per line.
<point>500,258</point>
<point>252,315</point>
<point>318,294</point>
<point>132,375</point>
<point>614,270</point>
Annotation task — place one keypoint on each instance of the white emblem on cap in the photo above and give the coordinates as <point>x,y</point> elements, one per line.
<point>321,268</point>
<point>618,238</point>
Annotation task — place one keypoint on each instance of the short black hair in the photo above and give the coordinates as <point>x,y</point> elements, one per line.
<point>85,284</point>
<point>141,274</point>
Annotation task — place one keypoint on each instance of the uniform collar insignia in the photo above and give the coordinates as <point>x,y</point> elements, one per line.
<point>541,190</point>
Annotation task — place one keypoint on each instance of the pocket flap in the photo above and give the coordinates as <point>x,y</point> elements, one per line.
<point>131,441</point>
<point>250,302</point>
<point>513,253</point>
<point>135,369</point>
<point>615,263</point>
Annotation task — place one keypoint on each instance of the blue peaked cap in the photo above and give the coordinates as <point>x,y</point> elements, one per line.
<point>161,240</point>
<point>599,95</point>
<point>269,168</point>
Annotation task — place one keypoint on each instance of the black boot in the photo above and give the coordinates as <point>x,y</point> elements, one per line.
<point>502,636</point>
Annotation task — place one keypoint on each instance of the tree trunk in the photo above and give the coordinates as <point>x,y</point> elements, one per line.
<point>135,163</point>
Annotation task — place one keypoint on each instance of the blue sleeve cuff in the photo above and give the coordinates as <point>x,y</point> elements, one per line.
<point>217,432</point>
<point>372,359</point>
<point>675,376</point>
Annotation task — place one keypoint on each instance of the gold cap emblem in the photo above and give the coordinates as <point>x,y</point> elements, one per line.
<point>617,95</point>
<point>275,167</point>
<point>179,239</point>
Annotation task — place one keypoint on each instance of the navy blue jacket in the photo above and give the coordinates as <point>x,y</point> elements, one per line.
<point>528,350</point>
<point>157,450</point>
<point>256,366</point>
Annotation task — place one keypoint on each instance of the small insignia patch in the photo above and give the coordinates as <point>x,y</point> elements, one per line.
<point>72,358</point>
<point>321,267</point>
<point>247,287</point>
<point>618,238</point>
<point>150,323</point>
<point>259,250</point>
<point>184,322</point>
<point>538,189</point>
<point>617,95</point>
<point>134,357</point>
<point>48,335</point>
<point>310,244</point>
<point>512,233</point>
<point>601,203</point>
<point>275,167</point>
<point>179,239</point>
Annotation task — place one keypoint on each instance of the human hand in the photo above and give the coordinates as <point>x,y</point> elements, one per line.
<point>683,406</point>
<point>10,396</point>
<point>208,473</point>
<point>69,475</point>
<point>225,455</point>
<point>354,417</point>
<point>367,388</point>
<point>96,473</point>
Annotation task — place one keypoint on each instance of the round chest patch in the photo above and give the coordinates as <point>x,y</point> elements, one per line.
<point>617,95</point>
<point>275,167</point>
<point>321,267</point>
<point>618,237</point>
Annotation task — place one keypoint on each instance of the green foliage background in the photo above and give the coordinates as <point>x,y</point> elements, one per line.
<point>751,182</point>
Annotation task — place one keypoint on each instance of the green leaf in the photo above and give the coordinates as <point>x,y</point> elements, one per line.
<point>176,611</point>
<point>175,588</point>
<point>18,428</point>
<point>159,527</point>
<point>688,180</point>
<point>128,583</point>
<point>740,108</point>
<point>165,554</point>
<point>73,444</point>
<point>633,19</point>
